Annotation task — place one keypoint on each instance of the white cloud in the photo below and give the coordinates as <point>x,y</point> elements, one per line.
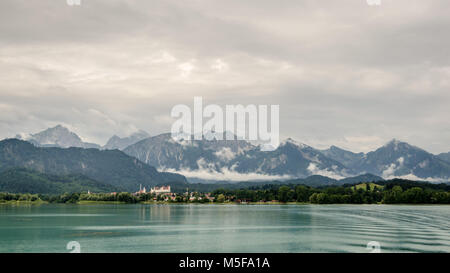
<point>389,172</point>
<point>424,163</point>
<point>359,73</point>
<point>225,154</point>
<point>186,69</point>
<point>415,178</point>
<point>225,175</point>
<point>219,65</point>
<point>393,167</point>
<point>315,170</point>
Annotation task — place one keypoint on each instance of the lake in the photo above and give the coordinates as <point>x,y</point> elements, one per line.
<point>224,228</point>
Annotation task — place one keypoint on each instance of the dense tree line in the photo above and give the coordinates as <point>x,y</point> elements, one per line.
<point>72,198</point>
<point>124,197</point>
<point>18,197</point>
<point>390,193</point>
<point>387,192</point>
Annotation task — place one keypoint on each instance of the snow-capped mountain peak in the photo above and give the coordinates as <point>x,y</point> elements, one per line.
<point>293,142</point>
<point>59,136</point>
<point>116,142</point>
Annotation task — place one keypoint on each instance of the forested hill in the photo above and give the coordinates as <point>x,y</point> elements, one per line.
<point>29,181</point>
<point>111,167</point>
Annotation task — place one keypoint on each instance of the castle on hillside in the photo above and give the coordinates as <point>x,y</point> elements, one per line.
<point>160,190</point>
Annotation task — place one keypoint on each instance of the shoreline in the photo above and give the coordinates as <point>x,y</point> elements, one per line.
<point>88,203</point>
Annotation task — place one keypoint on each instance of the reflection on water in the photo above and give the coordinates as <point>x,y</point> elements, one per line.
<point>222,228</point>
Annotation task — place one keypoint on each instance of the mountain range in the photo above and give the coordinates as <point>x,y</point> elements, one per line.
<point>290,160</point>
<point>111,167</point>
<point>60,136</point>
<point>311,181</point>
<point>121,143</point>
<point>445,156</point>
<point>239,160</point>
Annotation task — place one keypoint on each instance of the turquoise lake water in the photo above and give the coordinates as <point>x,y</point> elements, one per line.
<point>224,228</point>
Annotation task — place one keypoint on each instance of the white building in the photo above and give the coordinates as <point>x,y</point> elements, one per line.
<point>160,190</point>
<point>141,190</point>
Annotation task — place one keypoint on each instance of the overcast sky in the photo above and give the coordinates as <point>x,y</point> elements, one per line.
<point>343,72</point>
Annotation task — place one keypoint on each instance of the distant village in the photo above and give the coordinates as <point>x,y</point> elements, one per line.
<point>164,193</point>
<point>384,192</point>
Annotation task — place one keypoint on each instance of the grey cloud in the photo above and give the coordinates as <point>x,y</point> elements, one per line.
<point>343,72</point>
